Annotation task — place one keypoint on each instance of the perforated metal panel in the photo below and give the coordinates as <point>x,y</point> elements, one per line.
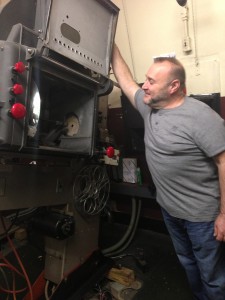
<point>83,31</point>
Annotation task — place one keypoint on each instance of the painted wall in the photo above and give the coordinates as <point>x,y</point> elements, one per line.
<point>148,28</point>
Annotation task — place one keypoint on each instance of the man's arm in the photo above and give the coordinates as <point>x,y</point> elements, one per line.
<point>123,75</point>
<point>219,230</point>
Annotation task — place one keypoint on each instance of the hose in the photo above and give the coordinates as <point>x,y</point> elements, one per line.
<point>125,246</point>
<point>128,236</point>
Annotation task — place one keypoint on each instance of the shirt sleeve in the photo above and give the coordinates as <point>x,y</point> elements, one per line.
<point>139,103</point>
<point>209,132</point>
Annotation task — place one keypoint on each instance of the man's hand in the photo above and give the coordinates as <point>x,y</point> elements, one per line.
<point>219,228</point>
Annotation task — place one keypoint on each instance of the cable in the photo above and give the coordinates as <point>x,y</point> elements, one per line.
<point>7,290</point>
<point>6,280</point>
<point>10,266</point>
<point>22,213</point>
<point>46,290</point>
<point>11,225</point>
<point>49,290</point>
<point>129,38</point>
<point>19,260</point>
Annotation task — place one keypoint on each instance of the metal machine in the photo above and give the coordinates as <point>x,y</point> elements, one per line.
<point>54,65</point>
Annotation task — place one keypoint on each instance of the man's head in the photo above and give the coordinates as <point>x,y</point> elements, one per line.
<point>165,83</point>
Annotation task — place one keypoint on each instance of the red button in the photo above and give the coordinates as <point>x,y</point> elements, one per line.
<point>110,152</point>
<point>19,67</point>
<point>18,111</point>
<point>17,89</point>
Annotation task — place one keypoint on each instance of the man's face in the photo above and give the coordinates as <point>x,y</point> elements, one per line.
<point>156,86</point>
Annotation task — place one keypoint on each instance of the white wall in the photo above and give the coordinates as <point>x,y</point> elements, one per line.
<point>148,28</point>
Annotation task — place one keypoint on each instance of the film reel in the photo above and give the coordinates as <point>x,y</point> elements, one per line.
<point>91,189</point>
<point>72,125</point>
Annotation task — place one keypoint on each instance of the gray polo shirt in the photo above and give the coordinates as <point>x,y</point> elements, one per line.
<point>180,144</point>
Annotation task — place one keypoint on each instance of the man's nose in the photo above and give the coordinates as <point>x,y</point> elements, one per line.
<point>145,85</point>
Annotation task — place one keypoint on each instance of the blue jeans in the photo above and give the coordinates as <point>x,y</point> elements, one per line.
<point>201,255</point>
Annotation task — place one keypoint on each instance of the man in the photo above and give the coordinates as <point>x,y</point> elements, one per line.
<point>185,152</point>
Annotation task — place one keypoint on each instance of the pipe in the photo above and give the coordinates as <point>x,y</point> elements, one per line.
<point>127,233</point>
<point>185,21</point>
<point>125,246</point>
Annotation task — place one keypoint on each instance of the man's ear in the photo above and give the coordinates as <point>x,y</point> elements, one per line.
<point>174,86</point>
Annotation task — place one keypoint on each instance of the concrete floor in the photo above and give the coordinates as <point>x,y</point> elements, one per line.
<point>162,276</point>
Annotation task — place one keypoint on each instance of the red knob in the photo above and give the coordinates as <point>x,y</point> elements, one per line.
<point>110,152</point>
<point>17,89</point>
<point>18,111</point>
<point>19,67</point>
